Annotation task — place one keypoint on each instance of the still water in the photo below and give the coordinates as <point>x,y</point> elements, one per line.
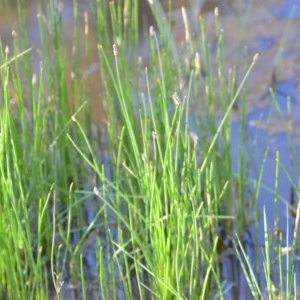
<point>269,27</point>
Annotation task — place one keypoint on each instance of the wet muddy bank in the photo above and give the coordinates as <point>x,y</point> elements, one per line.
<point>247,29</point>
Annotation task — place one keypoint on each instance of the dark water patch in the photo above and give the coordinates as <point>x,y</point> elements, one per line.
<point>234,280</point>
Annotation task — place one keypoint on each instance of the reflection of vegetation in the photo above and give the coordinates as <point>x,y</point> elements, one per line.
<point>146,207</point>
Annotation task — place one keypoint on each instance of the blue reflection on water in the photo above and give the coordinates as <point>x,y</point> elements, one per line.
<point>289,9</point>
<point>264,43</point>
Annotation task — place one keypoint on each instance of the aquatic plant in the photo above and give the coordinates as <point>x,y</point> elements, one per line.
<point>145,203</point>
